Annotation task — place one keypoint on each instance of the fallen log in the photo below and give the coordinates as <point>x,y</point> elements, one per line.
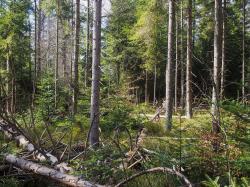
<point>39,154</point>
<point>53,174</point>
<point>156,170</point>
<point>22,141</point>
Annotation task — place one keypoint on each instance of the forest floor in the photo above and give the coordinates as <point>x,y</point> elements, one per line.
<point>187,148</point>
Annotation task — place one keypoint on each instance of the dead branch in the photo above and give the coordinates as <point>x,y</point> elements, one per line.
<point>156,170</point>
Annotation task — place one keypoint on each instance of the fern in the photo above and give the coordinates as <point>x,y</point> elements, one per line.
<point>211,183</point>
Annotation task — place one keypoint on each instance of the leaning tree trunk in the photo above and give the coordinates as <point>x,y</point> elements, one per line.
<point>77,47</point>
<point>216,68</point>
<point>170,65</point>
<point>189,62</point>
<point>96,74</point>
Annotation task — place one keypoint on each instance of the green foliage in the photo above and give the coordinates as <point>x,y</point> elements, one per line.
<point>45,97</point>
<point>118,114</point>
<point>243,182</point>
<point>212,183</point>
<point>240,110</point>
<point>11,182</point>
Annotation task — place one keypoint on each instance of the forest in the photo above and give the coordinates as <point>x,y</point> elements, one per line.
<point>137,93</point>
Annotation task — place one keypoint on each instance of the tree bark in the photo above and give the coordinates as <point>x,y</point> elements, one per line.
<point>35,57</point>
<point>146,86</point>
<point>53,174</point>
<point>39,38</point>
<point>87,45</point>
<point>57,51</point>
<point>223,58</point>
<point>189,62</point>
<point>182,62</point>
<point>216,67</point>
<point>96,74</point>
<point>176,67</point>
<point>155,81</point>
<point>77,48</point>
<point>243,52</point>
<point>170,67</point>
<point>8,85</point>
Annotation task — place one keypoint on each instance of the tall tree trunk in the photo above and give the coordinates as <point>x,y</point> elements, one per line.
<point>189,62</point>
<point>64,55</point>
<point>72,43</point>
<point>35,57</point>
<point>87,45</point>
<point>243,52</point>
<point>96,74</point>
<point>170,65</point>
<point>155,81</point>
<point>182,62</point>
<point>176,67</point>
<point>48,65</point>
<point>39,37</point>
<point>146,86</point>
<point>223,50</point>
<point>77,47</point>
<point>13,90</point>
<point>57,50</point>
<point>8,85</point>
<point>216,68</point>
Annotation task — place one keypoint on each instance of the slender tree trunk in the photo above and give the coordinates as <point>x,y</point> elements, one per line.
<point>72,43</point>
<point>146,86</point>
<point>8,85</point>
<point>87,45</point>
<point>170,65</point>
<point>77,47</point>
<point>189,62</point>
<point>39,37</point>
<point>30,59</point>
<point>176,67</point>
<point>57,51</point>
<point>13,92</point>
<point>35,57</point>
<point>182,62</point>
<point>216,68</point>
<point>223,50</point>
<point>155,81</point>
<point>48,45</point>
<point>193,21</point>
<point>96,74</point>
<point>243,53</point>
<point>64,55</point>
